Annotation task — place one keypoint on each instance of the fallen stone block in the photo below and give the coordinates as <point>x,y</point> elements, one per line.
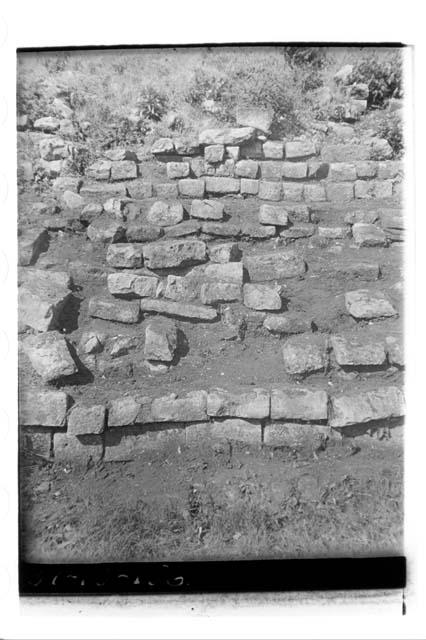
<point>192,188</point>
<point>262,297</point>
<point>383,403</point>
<point>125,284</point>
<point>106,229</point>
<point>366,305</point>
<point>177,170</point>
<point>174,253</point>
<point>218,292</point>
<point>230,429</point>
<point>165,214</point>
<point>287,323</point>
<point>77,449</point>
<point>177,309</point>
<point>226,252</point>
<point>54,148</point>
<point>305,354</point>
<point>125,256</point>
<point>43,408</point>
<point>50,356</point>
<point>207,209</point>
<point>368,235</point>
<point>273,215</point>
<point>114,310</point>
<point>296,436</point>
<point>299,149</point>
<point>340,191</point>
<point>42,297</point>
<point>246,404</point>
<point>30,244</point>
<point>358,351</point>
<point>231,136</point>
<point>299,404</point>
<point>160,340</point>
<point>274,266</point>
<point>121,345</point>
<point>86,420</point>
<point>247,169</point>
<point>191,408</point>
<point>249,186</point>
<point>91,342</point>
<point>273,149</point>
<point>270,191</point>
<point>222,185</point>
<point>255,117</point>
<point>214,153</point>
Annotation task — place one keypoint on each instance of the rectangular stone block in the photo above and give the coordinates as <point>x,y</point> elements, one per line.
<point>214,153</point>
<point>345,152</point>
<point>124,255</point>
<point>219,292</point>
<point>43,408</point>
<point>166,190</point>
<point>77,449</point>
<point>294,170</point>
<point>103,191</point>
<point>389,169</point>
<point>340,191</point>
<point>36,440</point>
<point>174,253</point>
<point>249,187</point>
<point>177,170</point>
<point>252,404</point>
<point>140,189</point>
<point>114,310</point>
<point>368,235</point>
<point>125,284</point>
<point>99,170</point>
<point>128,411</point>
<point>273,214</point>
<point>178,309</point>
<point>358,351</point>
<point>366,169</point>
<point>293,403</point>
<point>270,190</point>
<point>271,170</point>
<point>247,169</point>
<point>124,170</point>
<point>314,192</point>
<point>84,420</point>
<point>293,191</point>
<point>294,435</point>
<point>222,185</point>
<point>383,403</point>
<point>50,355</point>
<point>342,172</point>
<point>299,149</point>
<point>233,429</point>
<point>192,408</point>
<point>273,149</point>
<point>224,272</point>
<point>192,188</point>
<point>221,230</point>
<point>228,136</point>
<point>274,266</point>
<point>305,354</point>
<point>131,442</point>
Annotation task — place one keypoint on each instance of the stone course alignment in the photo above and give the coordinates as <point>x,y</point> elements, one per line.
<point>169,250</point>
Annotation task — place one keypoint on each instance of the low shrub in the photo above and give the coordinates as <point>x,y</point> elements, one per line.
<point>391,128</point>
<point>383,74</point>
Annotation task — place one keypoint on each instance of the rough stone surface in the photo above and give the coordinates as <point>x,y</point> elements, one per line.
<point>255,117</point>
<point>165,214</point>
<point>166,190</point>
<point>247,169</point>
<point>31,243</point>
<point>125,256</point>
<point>140,232</point>
<point>129,443</point>
<point>192,188</point>
<point>368,235</point>
<point>114,310</point>
<point>187,228</point>
<point>293,403</point>
<point>160,340</point>
<point>217,292</point>
<point>224,272</point>
<point>358,350</point>
<point>287,323</point>
<point>163,145</point>
<point>207,209</point>
<point>297,231</point>
<point>77,449</point>
<point>226,252</point>
<point>380,404</point>
<point>262,297</point>
<point>214,153</point>
<point>314,192</point>
<point>230,429</point>
<point>294,170</point>
<point>49,124</point>
<point>41,299</point>
<point>106,229</point>
<point>366,169</point>
<point>140,189</point>
<point>86,420</point>
<point>305,354</point>
<point>334,233</point>
<point>43,408</point>
<point>124,284</point>
<point>365,304</point>
<point>273,214</point>
<point>222,185</point>
<point>345,152</point>
<point>221,230</point>
<point>273,149</point>
<point>293,191</point>
<point>299,149</point>
<point>340,191</point>
<point>124,170</point>
<point>258,232</point>
<point>191,408</point>
<point>99,170</point>
<point>179,310</point>
<point>253,404</point>
<point>270,191</point>
<point>274,265</point>
<point>177,170</point>
<point>249,186</point>
<point>342,172</point>
<point>50,356</point>
<point>395,350</point>
<point>296,436</point>
<point>174,253</point>
<point>365,189</point>
<point>230,136</point>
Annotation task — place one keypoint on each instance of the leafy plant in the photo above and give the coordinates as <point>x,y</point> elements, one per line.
<point>391,128</point>
<point>152,103</point>
<point>383,76</point>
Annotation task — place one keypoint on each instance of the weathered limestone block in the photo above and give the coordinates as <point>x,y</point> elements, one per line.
<point>358,350</point>
<point>222,185</point>
<point>255,117</point>
<point>178,309</point>
<point>305,354</point>
<point>54,148</point>
<point>128,410</point>
<point>253,404</point>
<point>192,188</point>
<point>380,149</point>
<point>233,153</point>
<point>218,292</point>
<point>361,270</point>
<point>230,429</point>
<point>207,209</point>
<point>389,169</point>
<point>366,169</point>
<point>249,186</point>
<point>368,235</point>
<point>121,345</point>
<point>187,228</point>
<point>345,152</point>
<point>124,170</point>
<point>86,420</point>
<point>160,340</point>
<point>50,356</point>
<point>383,403</point>
<point>49,124</point>
<point>291,434</point>
<point>221,230</point>
<point>77,449</point>
<point>99,170</point>
<point>314,192</point>
<point>124,284</point>
<point>232,272</point>
<point>334,233</point>
<point>273,214</point>
<point>115,311</point>
<point>231,136</point>
<point>140,232</point>
<point>200,167</point>
<point>42,297</point>
<point>299,149</point>
<point>163,145</point>
<point>65,183</point>
<point>102,191</point>
<point>293,191</point>
<point>247,169</point>
<point>177,170</point>
<point>270,190</point>
<point>140,189</point>
<point>174,253</point>
<point>262,297</point>
<point>395,350</point>
<point>125,256</point>
<point>294,403</point>
<point>166,190</point>
<point>271,170</point>
<point>191,408</point>
<point>130,443</point>
<point>165,214</point>
<point>43,408</point>
<point>342,172</point>
<point>289,322</point>
<point>226,169</point>
<point>214,153</point>
<point>257,232</point>
<point>365,304</point>
<point>106,229</point>
<point>226,252</point>
<point>297,231</point>
<point>273,149</point>
<point>294,170</point>
<point>274,266</point>
<point>340,191</point>
<point>366,217</point>
<point>72,200</point>
<point>298,212</point>
<point>182,288</point>
<point>91,342</point>
<point>373,189</point>
<point>30,244</point>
